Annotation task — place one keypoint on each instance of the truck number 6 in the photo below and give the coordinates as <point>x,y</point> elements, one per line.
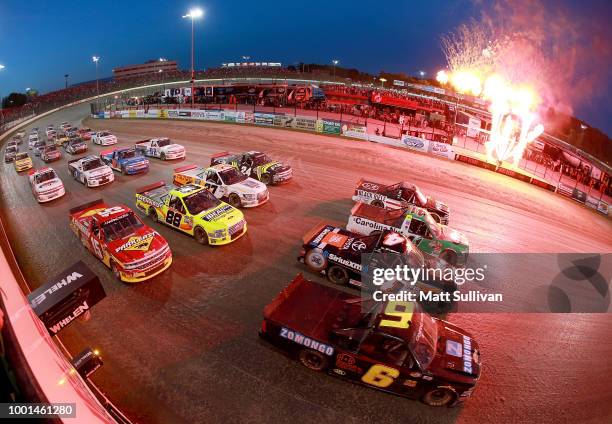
<point>173,218</point>
<point>380,375</point>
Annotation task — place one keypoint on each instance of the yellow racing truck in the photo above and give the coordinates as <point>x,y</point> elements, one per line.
<point>192,210</point>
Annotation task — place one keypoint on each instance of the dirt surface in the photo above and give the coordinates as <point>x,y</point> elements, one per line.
<point>184,347</point>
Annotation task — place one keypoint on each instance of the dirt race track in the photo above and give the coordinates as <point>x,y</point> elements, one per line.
<point>184,346</point>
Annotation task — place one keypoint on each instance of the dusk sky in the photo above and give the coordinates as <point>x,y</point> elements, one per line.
<point>40,41</point>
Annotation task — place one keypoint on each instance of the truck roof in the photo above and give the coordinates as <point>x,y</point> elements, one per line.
<point>161,188</point>
<point>307,307</point>
<point>377,214</point>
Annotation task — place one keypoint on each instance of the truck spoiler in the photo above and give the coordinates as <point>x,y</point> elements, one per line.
<point>106,152</point>
<point>313,232</point>
<point>219,155</point>
<point>185,168</point>
<point>88,205</point>
<point>142,141</point>
<point>271,307</point>
<point>150,187</point>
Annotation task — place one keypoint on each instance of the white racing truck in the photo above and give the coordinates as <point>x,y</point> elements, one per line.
<point>161,148</point>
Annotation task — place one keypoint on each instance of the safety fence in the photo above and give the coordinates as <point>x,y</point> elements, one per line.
<point>325,124</point>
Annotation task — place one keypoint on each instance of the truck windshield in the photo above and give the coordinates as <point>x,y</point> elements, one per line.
<point>163,142</point>
<point>421,198</point>
<point>45,176</point>
<point>231,176</point>
<point>126,154</point>
<point>122,227</point>
<point>21,156</point>
<point>200,201</point>
<point>261,159</point>
<point>92,164</point>
<point>424,338</point>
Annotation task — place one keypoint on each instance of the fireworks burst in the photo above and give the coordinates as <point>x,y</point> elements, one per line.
<point>487,65</point>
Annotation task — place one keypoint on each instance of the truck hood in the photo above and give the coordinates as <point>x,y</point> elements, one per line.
<point>98,172</point>
<point>136,246</point>
<point>249,185</point>
<point>454,236</point>
<point>48,185</point>
<point>222,213</point>
<point>436,205</point>
<point>172,148</point>
<point>275,168</point>
<point>133,161</point>
<point>457,357</point>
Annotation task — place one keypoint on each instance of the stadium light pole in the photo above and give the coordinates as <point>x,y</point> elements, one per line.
<point>193,14</point>
<point>66,79</point>
<point>1,105</point>
<point>382,82</point>
<point>95,60</point>
<point>335,62</point>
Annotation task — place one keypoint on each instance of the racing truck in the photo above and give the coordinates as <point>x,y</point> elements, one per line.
<point>192,210</point>
<point>226,183</point>
<point>337,253</point>
<point>91,171</point>
<point>103,138</point>
<point>75,146</point>
<point>392,346</point>
<point>116,236</point>
<point>46,185</point>
<point>125,160</point>
<point>32,138</point>
<point>415,223</point>
<point>400,195</point>
<point>160,148</point>
<point>255,165</point>
<point>61,138</point>
<point>38,146</point>
<point>50,153</point>
<point>50,132</point>
<point>22,161</point>
<point>10,152</point>
<point>85,133</point>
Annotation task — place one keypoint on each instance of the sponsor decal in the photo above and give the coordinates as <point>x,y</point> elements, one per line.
<point>79,310</point>
<point>322,234</point>
<point>141,243</point>
<point>335,239</point>
<point>215,214</point>
<point>358,246</point>
<point>371,224</point>
<point>370,186</point>
<point>149,201</point>
<point>348,362</point>
<point>70,278</point>
<point>301,339</point>
<point>345,262</point>
<point>454,348</point>
<point>467,354</point>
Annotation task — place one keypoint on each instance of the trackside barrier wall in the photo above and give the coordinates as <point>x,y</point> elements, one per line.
<point>333,127</point>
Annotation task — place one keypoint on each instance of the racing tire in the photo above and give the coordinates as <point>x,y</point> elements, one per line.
<point>435,216</point>
<point>439,396</point>
<point>378,203</point>
<point>234,200</point>
<point>315,260</point>
<point>266,178</point>
<point>200,235</point>
<point>313,360</point>
<point>449,256</point>
<point>338,275</point>
<point>162,156</point>
<point>153,215</point>
<point>115,271</point>
<point>123,171</point>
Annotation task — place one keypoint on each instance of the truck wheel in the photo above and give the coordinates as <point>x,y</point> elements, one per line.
<point>123,171</point>
<point>449,256</point>
<point>439,396</point>
<point>266,179</point>
<point>378,203</point>
<point>200,235</point>
<point>338,275</point>
<point>115,271</point>
<point>153,214</point>
<point>162,156</point>
<point>315,260</point>
<point>313,359</point>
<point>234,200</point>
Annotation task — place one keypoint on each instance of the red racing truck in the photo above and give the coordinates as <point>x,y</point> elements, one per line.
<point>392,346</point>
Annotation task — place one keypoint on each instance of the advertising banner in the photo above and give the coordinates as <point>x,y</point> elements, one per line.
<point>284,121</point>
<point>163,113</point>
<point>308,124</point>
<point>603,207</point>
<point>329,126</point>
<point>263,118</point>
<point>579,195</point>
<point>173,113</point>
<point>385,140</point>
<point>565,190</point>
<point>240,117</point>
<point>398,83</point>
<point>415,143</point>
<point>592,202</point>
<point>355,131</point>
<point>473,127</point>
<point>441,149</point>
<point>229,116</point>
<point>248,117</point>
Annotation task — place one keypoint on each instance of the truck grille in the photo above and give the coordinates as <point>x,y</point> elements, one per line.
<point>236,229</point>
